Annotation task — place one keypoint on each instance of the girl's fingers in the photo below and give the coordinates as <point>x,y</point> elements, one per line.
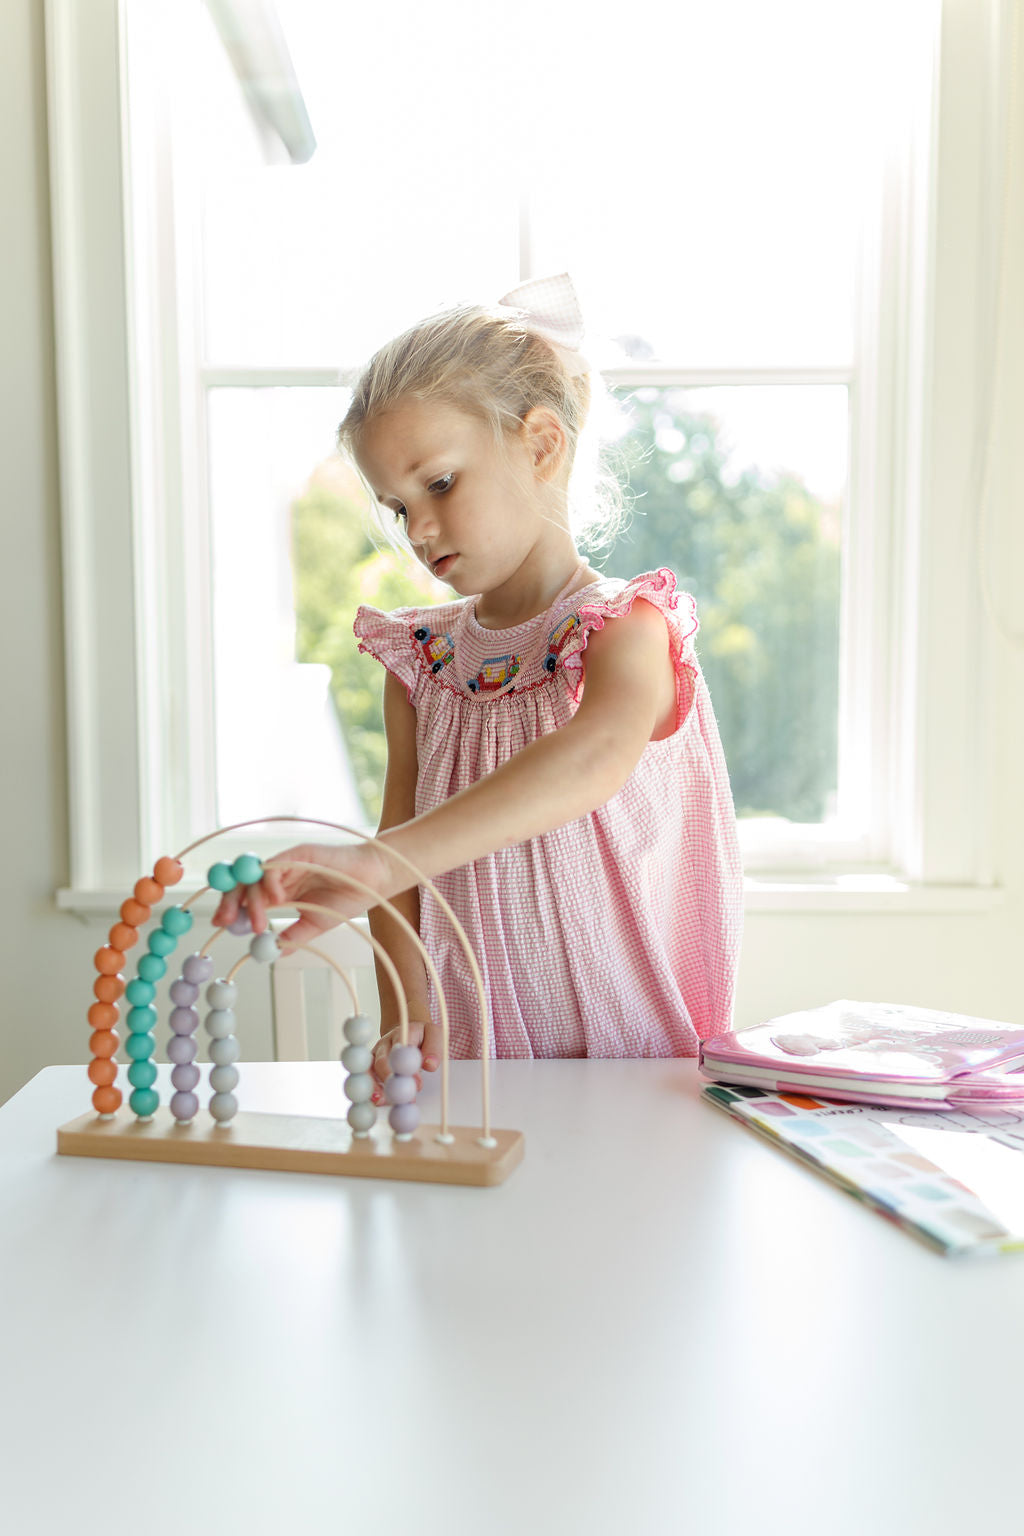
<point>227,908</point>
<point>433,1044</point>
<point>301,932</point>
<point>257,905</point>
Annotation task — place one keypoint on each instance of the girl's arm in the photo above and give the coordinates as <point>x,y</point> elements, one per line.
<point>628,697</point>
<point>399,805</point>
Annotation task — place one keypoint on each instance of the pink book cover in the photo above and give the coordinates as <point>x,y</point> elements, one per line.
<point>875,1053</point>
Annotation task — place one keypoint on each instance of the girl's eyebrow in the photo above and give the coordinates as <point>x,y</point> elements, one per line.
<point>410,471</point>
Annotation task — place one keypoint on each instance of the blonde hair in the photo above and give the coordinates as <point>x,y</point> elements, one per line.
<point>488,363</point>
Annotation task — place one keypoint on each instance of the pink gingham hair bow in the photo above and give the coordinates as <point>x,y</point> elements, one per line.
<point>551,309</point>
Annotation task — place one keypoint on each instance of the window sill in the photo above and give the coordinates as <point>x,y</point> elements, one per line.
<point>763,892</point>
<point>889,894</point>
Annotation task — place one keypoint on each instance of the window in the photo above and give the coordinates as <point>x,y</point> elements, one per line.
<point>767,303</point>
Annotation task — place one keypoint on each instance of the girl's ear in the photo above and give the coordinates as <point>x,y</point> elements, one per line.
<point>545,441</point>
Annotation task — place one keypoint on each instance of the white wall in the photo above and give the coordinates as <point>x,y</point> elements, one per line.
<point>969,962</point>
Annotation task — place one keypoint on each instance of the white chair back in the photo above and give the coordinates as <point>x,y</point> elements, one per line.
<point>349,951</point>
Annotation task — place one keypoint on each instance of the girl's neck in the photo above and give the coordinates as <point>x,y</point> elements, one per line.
<point>532,593</point>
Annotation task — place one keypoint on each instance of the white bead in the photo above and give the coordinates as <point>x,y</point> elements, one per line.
<point>224,1052</point>
<point>358,1030</point>
<point>223,1079</point>
<point>357,1058</point>
<point>362,1118</point>
<point>222,994</point>
<point>223,1107</point>
<point>359,1087</point>
<point>220,1022</point>
<point>264,948</point>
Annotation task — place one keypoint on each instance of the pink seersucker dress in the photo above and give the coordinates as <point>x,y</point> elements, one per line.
<point>617,934</point>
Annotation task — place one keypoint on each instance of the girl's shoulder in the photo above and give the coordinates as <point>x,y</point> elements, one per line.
<point>613,597</point>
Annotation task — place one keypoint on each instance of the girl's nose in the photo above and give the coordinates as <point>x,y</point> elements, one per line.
<point>420,522</point>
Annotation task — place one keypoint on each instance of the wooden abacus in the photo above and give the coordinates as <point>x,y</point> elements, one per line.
<point>355,1145</point>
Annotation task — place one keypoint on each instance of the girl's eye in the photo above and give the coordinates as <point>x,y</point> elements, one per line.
<point>442,485</point>
<point>399,514</point>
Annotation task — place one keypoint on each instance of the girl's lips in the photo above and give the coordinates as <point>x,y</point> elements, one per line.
<point>444,564</point>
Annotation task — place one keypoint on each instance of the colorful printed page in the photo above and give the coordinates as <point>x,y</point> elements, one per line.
<point>954,1178</point>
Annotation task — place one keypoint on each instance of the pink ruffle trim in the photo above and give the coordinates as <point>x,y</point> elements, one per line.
<point>660,589</point>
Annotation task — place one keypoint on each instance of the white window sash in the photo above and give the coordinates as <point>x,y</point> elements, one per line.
<point>916,732</point>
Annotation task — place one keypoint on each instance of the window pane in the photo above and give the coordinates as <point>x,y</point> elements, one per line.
<point>700,169</point>
<point>739,491</point>
<point>298,711</point>
<point>400,211</point>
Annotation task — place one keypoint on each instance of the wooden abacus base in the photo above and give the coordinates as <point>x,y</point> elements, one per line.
<point>296,1144</point>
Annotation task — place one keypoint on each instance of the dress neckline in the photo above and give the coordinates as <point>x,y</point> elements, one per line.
<point>471,621</point>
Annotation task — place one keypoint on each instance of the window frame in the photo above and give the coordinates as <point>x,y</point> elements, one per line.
<point>132,447</point>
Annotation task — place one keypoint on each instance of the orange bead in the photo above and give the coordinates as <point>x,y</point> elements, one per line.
<point>104,1015</point>
<point>122,936</point>
<point>148,891</point>
<point>102,1072</point>
<point>135,913</point>
<point>168,871</point>
<point>106,1101</point>
<point>108,961</point>
<point>103,1043</point>
<point>108,988</point>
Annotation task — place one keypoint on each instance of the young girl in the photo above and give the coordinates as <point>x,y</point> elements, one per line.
<point>553,760</point>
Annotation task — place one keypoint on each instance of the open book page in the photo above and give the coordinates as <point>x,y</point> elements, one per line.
<point>954,1178</point>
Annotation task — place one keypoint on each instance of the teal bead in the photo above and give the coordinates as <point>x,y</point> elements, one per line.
<point>140,1047</point>
<point>142,1020</point>
<point>247,869</point>
<point>161,943</point>
<point>151,967</point>
<point>220,877</point>
<point>176,921</point>
<point>144,1102</point>
<point>140,992</point>
<point>142,1074</point>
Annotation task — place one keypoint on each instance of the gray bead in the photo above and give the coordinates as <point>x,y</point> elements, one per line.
<point>223,1079</point>
<point>185,1077</point>
<point>362,1117</point>
<point>183,992</point>
<point>224,1052</point>
<point>241,925</point>
<point>358,1029</point>
<point>357,1058</point>
<point>184,1106</point>
<point>222,994</point>
<point>223,1107</point>
<point>181,1049</point>
<point>405,1059</point>
<point>265,948</point>
<point>184,1021</point>
<point>359,1086</point>
<point>399,1089</point>
<point>198,968</point>
<point>220,1022</point>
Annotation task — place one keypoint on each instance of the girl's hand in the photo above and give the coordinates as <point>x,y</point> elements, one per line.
<point>426,1036</point>
<point>282,886</point>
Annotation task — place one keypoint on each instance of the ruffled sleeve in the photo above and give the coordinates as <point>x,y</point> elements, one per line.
<point>390,638</point>
<point>680,612</point>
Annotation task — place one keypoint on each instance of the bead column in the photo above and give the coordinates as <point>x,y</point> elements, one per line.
<point>110,986</point>
<point>182,1048</point>
<point>357,1058</point>
<point>141,1042</point>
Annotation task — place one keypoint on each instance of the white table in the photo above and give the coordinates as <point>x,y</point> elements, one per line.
<point>660,1323</point>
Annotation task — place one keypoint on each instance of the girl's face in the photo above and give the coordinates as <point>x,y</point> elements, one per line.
<point>476,516</point>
